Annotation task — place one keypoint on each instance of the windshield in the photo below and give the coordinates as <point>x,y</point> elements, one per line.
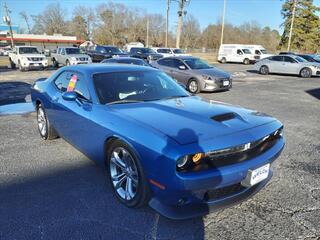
<point>112,50</point>
<point>246,51</point>
<point>300,59</point>
<point>317,58</point>
<point>124,87</point>
<point>178,51</point>
<point>196,63</point>
<point>263,51</point>
<point>73,50</point>
<point>28,50</point>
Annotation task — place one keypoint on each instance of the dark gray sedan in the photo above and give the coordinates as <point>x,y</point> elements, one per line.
<point>195,73</point>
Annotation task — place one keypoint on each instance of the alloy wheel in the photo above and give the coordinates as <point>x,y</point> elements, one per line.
<point>124,174</point>
<point>42,123</point>
<point>193,86</point>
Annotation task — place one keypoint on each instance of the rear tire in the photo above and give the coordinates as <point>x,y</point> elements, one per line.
<point>46,130</point>
<point>193,86</point>
<point>126,175</point>
<point>306,72</point>
<point>264,70</point>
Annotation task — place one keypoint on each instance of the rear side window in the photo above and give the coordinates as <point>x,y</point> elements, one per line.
<point>289,59</point>
<point>63,80</point>
<point>277,58</point>
<point>168,62</point>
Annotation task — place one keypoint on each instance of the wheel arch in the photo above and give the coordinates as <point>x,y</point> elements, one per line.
<point>110,139</point>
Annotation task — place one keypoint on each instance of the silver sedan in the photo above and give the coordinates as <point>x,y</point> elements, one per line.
<point>288,64</point>
<point>194,73</point>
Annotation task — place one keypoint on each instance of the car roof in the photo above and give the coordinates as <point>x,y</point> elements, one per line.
<point>182,57</point>
<point>91,69</point>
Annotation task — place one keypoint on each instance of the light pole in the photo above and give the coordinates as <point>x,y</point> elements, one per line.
<point>291,26</point>
<point>7,20</point>
<point>222,24</point>
<point>167,22</point>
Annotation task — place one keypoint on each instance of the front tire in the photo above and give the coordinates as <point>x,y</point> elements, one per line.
<point>264,70</point>
<point>12,65</point>
<point>46,130</point>
<point>193,86</point>
<point>306,73</point>
<point>126,175</point>
<point>246,61</point>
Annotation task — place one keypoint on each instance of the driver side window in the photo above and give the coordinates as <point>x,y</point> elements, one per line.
<point>239,52</point>
<point>289,59</point>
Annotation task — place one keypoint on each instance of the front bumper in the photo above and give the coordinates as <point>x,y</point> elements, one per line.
<point>203,208</point>
<point>34,64</point>
<point>186,196</point>
<point>215,85</point>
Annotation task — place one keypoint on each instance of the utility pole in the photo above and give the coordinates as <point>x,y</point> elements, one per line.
<point>147,42</point>
<point>222,24</point>
<point>7,20</point>
<point>181,12</point>
<point>291,26</point>
<point>167,22</point>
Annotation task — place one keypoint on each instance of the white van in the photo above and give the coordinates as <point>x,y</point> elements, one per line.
<point>258,50</point>
<point>130,45</point>
<point>236,53</point>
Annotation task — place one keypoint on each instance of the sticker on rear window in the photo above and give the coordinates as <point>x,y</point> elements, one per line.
<point>72,83</point>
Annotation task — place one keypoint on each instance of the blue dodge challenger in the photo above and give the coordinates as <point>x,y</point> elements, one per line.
<point>181,154</point>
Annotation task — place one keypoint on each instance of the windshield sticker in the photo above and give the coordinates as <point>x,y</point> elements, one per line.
<point>72,83</point>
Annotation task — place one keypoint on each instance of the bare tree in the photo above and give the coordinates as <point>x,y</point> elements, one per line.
<point>25,17</point>
<point>52,20</point>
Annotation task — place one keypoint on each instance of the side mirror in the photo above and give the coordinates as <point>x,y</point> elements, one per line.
<point>69,96</point>
<point>182,67</point>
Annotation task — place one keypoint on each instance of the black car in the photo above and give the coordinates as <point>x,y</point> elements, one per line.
<point>145,53</point>
<point>127,60</point>
<point>101,52</point>
<point>310,57</point>
<point>287,53</point>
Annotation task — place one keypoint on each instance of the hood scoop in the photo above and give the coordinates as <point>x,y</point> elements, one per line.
<point>224,117</point>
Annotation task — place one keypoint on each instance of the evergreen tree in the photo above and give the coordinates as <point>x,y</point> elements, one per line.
<point>305,32</point>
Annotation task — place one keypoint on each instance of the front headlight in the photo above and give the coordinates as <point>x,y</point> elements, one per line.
<point>186,161</point>
<point>206,77</point>
<point>29,59</point>
<point>316,66</point>
<point>73,59</point>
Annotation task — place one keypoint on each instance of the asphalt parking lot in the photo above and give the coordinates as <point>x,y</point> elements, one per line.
<point>49,190</point>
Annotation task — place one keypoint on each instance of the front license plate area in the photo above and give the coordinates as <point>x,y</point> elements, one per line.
<point>226,83</point>
<point>256,175</point>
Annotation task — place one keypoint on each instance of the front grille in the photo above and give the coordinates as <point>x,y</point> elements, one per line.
<point>242,152</point>
<point>216,194</point>
<point>36,59</point>
<point>256,57</point>
<point>82,59</point>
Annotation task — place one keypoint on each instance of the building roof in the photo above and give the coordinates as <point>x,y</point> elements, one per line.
<point>57,38</point>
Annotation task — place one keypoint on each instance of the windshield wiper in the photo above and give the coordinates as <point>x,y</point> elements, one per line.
<point>124,101</point>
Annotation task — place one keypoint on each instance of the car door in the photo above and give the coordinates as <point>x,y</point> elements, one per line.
<point>275,64</point>
<point>71,118</point>
<point>180,71</point>
<point>290,65</point>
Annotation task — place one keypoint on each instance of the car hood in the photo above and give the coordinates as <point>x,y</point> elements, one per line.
<point>33,55</point>
<point>214,72</point>
<point>192,119</point>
